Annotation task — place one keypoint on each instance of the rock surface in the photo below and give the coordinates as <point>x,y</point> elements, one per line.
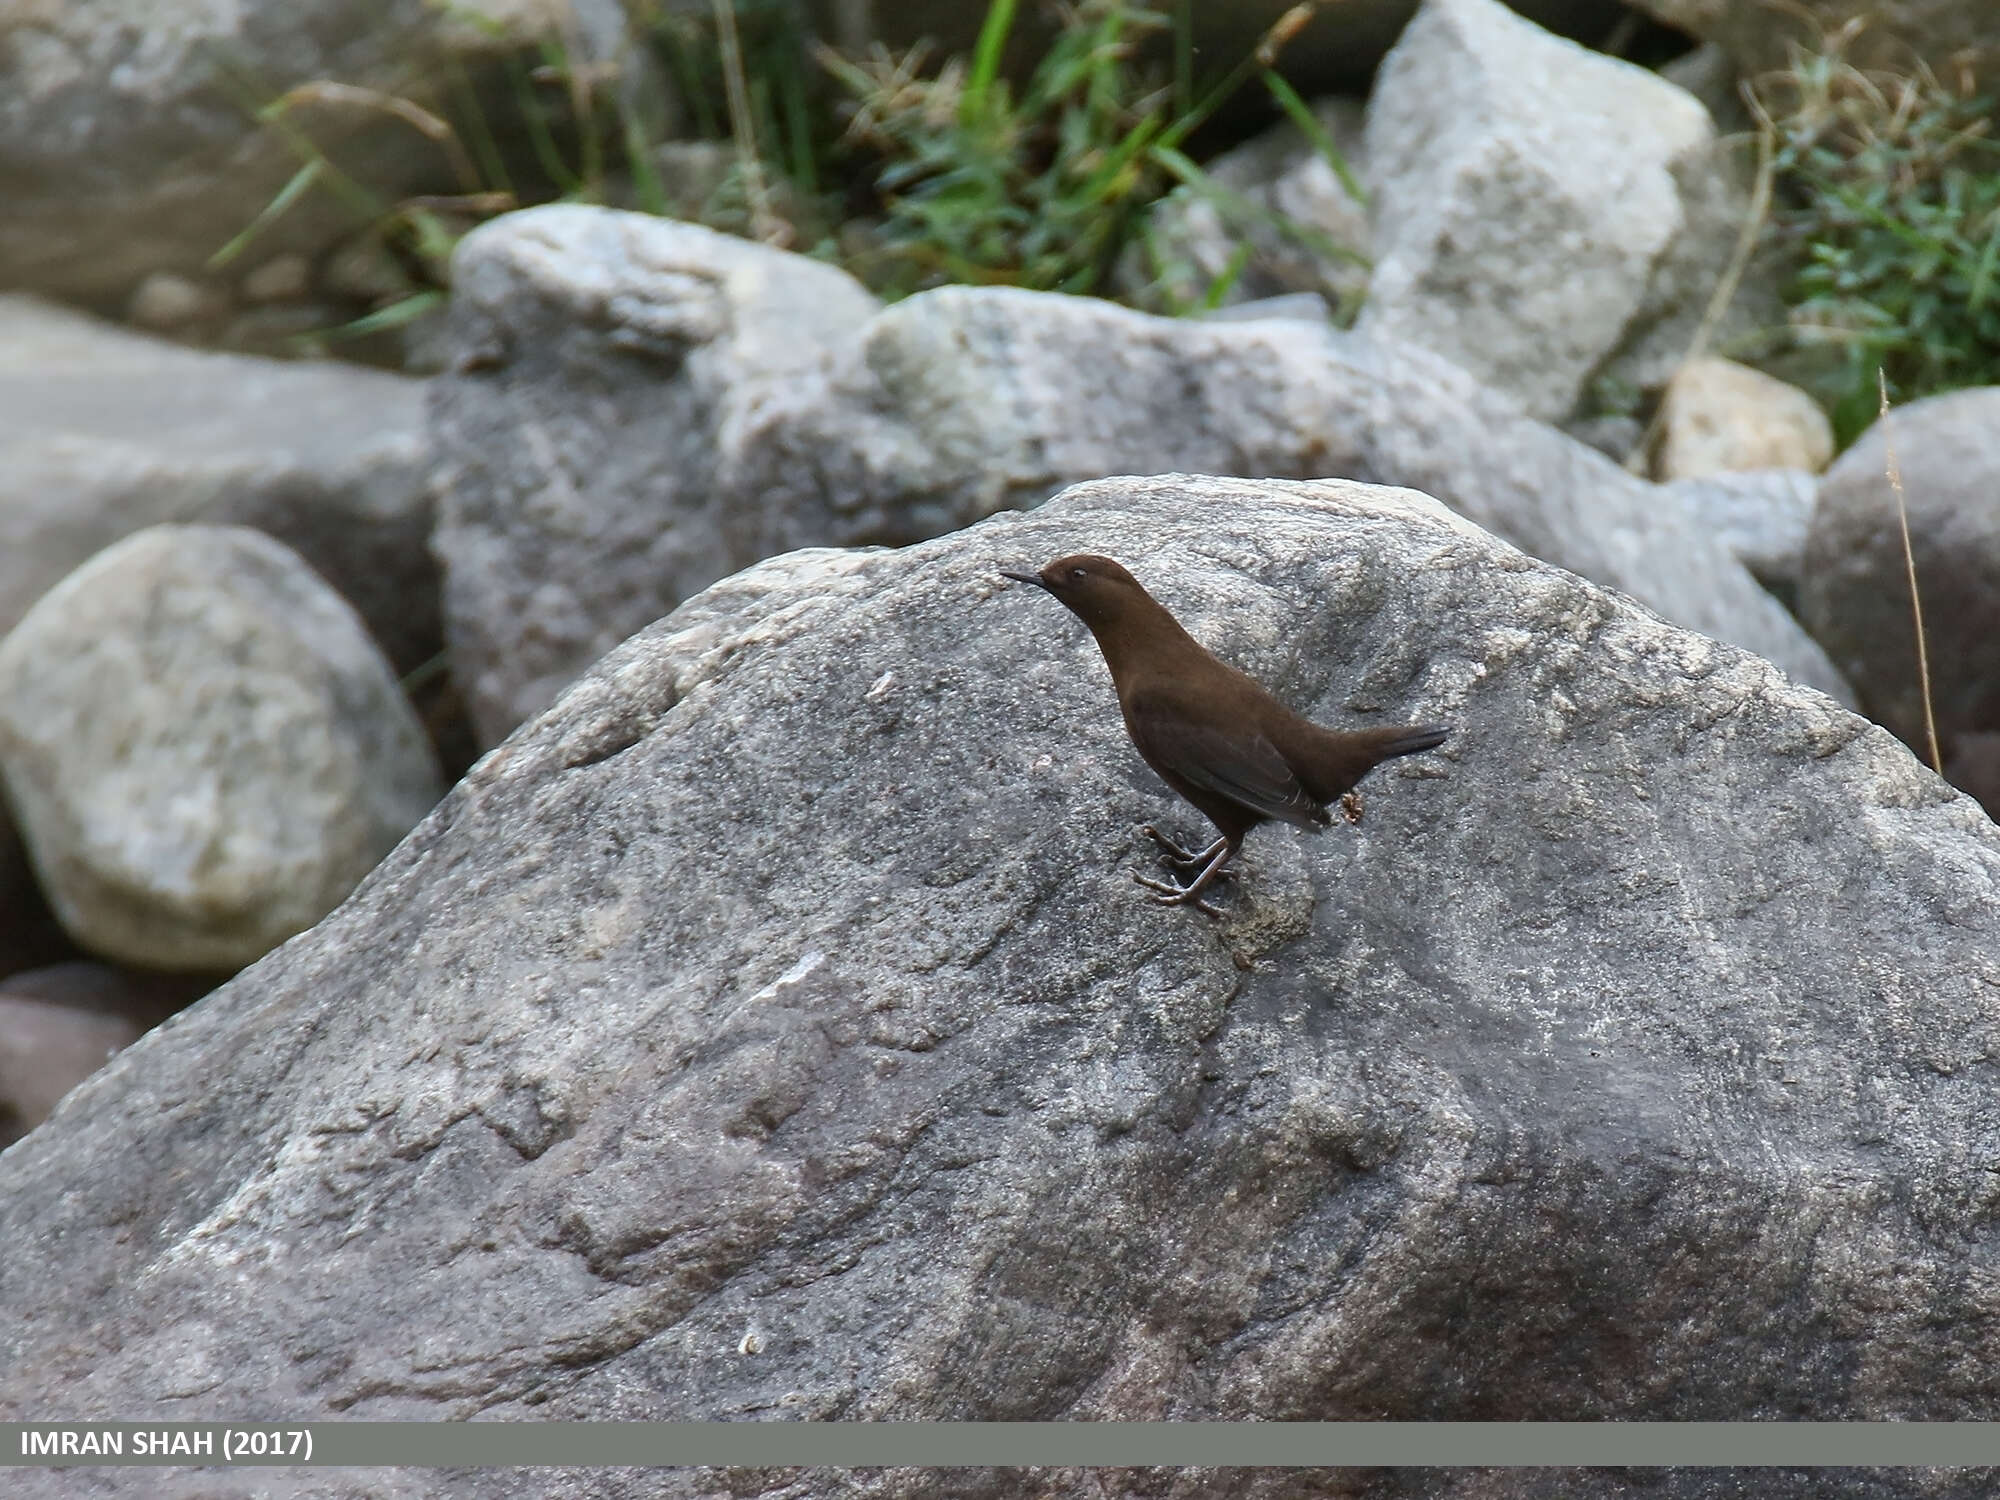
<point>1760,515</point>
<point>103,432</point>
<point>1542,213</point>
<point>773,1030</point>
<point>1719,417</point>
<point>129,137</point>
<point>1855,593</point>
<point>203,748</point>
<point>640,407</point>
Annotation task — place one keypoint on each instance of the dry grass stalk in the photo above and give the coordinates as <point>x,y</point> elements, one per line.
<point>1895,476</point>
<point>764,224</point>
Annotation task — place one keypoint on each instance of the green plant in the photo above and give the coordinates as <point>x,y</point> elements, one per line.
<point>1045,189</point>
<point>1889,202</point>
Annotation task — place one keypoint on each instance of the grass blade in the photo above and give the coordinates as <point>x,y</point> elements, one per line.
<point>993,33</point>
<point>1322,142</point>
<point>269,214</point>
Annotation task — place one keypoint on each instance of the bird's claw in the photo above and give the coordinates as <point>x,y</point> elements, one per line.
<point>1172,853</point>
<point>1169,848</point>
<point>1176,895</point>
<point>1350,807</point>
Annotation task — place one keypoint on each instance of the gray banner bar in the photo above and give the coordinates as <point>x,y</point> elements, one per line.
<point>1006,1444</point>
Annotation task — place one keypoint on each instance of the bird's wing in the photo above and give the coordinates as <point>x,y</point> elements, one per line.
<point>1237,762</point>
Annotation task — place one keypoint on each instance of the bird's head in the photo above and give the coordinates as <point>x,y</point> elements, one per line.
<point>1099,590</point>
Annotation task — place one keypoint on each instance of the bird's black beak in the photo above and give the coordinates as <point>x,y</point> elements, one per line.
<point>1034,578</point>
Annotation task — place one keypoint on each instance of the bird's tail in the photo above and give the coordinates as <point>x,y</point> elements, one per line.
<point>1344,757</point>
<point>1412,739</point>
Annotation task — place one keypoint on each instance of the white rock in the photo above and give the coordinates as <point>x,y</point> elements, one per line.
<point>1720,417</point>
<point>204,749</point>
<point>1526,193</point>
<point>165,301</point>
<point>282,278</point>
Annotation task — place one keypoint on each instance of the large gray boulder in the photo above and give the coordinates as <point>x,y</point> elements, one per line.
<point>203,747</point>
<point>1854,591</point>
<point>614,380</point>
<point>1544,215</point>
<point>104,432</point>
<point>640,407</point>
<point>773,1030</point>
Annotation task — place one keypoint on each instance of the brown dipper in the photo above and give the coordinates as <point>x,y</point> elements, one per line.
<point>1214,735</point>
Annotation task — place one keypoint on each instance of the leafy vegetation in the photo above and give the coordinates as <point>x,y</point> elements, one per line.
<point>1048,189</point>
<point>1889,202</point>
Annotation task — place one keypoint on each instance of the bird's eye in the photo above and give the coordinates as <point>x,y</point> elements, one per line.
<point>1079,572</point>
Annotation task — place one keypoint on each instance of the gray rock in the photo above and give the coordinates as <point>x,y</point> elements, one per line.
<point>103,432</point>
<point>1760,515</point>
<point>129,137</point>
<point>640,407</point>
<point>773,1030</point>
<point>1305,307</point>
<point>1543,214</point>
<point>282,278</point>
<point>599,434</point>
<point>1854,593</point>
<point>204,749</point>
<point>167,302</point>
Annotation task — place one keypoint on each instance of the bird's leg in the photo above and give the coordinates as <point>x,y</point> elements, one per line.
<point>1350,807</point>
<point>1190,894</point>
<point>1175,854</point>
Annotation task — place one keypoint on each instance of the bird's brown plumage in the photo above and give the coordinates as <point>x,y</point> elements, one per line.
<point>1213,733</point>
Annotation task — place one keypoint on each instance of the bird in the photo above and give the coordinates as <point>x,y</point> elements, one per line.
<point>1214,734</point>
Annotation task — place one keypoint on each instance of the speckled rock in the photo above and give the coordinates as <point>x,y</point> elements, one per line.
<point>1544,215</point>
<point>772,1030</point>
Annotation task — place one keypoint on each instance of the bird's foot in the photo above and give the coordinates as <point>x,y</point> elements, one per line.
<point>1173,854</point>
<point>1176,895</point>
<point>1350,807</point>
